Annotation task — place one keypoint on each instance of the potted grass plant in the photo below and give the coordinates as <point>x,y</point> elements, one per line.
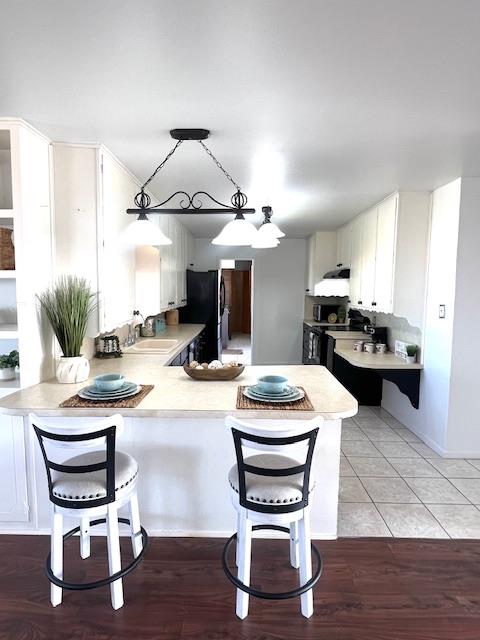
<point>411,350</point>
<point>8,362</point>
<point>68,306</point>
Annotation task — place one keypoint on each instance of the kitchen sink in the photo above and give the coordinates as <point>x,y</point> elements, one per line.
<point>153,345</point>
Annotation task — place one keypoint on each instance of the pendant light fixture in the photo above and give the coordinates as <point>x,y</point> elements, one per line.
<point>237,232</point>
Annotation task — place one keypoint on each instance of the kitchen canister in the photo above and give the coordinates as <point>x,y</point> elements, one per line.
<point>358,345</point>
<point>381,348</point>
<point>369,347</point>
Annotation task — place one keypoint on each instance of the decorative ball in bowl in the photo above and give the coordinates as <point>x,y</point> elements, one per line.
<point>272,384</point>
<point>109,381</point>
<point>204,372</point>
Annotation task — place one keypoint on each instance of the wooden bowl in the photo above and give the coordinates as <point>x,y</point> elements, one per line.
<point>225,373</point>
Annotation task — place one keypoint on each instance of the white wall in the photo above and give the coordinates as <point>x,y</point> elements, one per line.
<point>463,433</point>
<point>446,418</point>
<point>278,295</point>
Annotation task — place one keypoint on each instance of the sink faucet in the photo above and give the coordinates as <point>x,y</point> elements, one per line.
<point>148,329</point>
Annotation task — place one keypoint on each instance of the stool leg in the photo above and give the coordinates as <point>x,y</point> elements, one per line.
<point>244,561</point>
<point>56,550</point>
<point>135,531</point>
<point>294,555</point>
<point>237,547</point>
<point>85,537</point>
<point>305,562</point>
<point>114,561</point>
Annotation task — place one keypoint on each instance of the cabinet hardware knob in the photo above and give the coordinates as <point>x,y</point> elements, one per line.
<point>374,304</point>
<point>359,302</point>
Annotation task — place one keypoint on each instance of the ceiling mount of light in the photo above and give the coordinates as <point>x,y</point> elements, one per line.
<point>238,232</point>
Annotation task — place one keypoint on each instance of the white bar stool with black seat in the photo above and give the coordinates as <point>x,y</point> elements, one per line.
<point>272,490</point>
<point>90,486</point>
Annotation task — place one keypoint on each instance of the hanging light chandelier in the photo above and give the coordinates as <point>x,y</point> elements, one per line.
<point>238,232</point>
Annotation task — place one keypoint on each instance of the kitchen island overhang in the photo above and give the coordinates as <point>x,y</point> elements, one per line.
<point>177,435</point>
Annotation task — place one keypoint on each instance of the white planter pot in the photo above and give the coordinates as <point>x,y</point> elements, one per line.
<point>71,370</point>
<point>7,374</point>
<point>411,359</point>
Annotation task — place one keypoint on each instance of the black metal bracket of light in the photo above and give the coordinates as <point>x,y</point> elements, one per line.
<point>189,203</point>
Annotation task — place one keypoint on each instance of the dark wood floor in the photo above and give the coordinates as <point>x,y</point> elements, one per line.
<point>371,590</point>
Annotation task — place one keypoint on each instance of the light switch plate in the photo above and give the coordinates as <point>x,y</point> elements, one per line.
<point>441,311</point>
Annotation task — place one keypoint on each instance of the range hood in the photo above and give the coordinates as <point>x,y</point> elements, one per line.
<point>335,283</point>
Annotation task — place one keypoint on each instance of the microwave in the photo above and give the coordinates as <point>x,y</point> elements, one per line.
<point>322,311</point>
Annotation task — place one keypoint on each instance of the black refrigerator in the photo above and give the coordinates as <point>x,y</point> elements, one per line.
<point>203,308</point>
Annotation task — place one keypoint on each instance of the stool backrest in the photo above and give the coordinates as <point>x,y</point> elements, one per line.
<point>306,436</point>
<point>97,433</point>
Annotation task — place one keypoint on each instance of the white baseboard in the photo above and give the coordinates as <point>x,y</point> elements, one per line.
<point>161,533</point>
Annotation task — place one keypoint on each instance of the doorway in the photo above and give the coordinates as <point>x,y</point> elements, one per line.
<point>236,310</point>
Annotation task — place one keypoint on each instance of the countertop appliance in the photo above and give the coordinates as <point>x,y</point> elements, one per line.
<point>359,322</point>
<point>203,308</point>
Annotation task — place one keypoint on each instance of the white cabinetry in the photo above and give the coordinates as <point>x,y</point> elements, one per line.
<point>321,257</point>
<point>92,192</point>
<point>389,256</point>
<point>344,245</point>
<point>173,263</point>
<point>368,251</point>
<point>25,208</point>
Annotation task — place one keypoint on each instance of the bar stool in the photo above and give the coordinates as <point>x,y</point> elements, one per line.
<point>274,491</point>
<point>86,486</point>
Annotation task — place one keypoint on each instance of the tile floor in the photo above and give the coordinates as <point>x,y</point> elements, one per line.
<point>239,341</point>
<point>392,484</point>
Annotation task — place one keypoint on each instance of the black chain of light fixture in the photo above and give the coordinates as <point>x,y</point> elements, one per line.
<point>238,200</point>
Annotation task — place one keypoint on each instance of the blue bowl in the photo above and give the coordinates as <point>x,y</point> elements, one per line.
<point>109,381</point>
<point>272,384</point>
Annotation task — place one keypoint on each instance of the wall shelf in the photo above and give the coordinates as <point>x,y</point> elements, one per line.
<point>10,384</point>
<point>8,273</point>
<point>8,331</point>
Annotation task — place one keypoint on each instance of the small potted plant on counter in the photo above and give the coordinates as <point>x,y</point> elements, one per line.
<point>8,364</point>
<point>411,350</point>
<point>68,306</point>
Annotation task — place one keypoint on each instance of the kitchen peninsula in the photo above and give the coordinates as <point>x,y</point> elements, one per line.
<point>178,436</point>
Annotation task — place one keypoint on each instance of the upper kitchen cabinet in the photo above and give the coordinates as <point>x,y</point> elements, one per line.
<point>344,245</point>
<point>92,191</point>
<point>321,257</point>
<point>389,256</point>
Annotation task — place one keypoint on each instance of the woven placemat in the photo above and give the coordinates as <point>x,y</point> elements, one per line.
<point>127,403</point>
<point>303,404</point>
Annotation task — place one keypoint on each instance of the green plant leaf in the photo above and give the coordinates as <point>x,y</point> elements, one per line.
<point>68,306</point>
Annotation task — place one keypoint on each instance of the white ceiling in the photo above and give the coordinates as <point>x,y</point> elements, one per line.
<point>317,107</point>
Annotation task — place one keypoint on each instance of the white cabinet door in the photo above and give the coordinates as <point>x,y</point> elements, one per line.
<point>385,254</point>
<point>344,245</point>
<point>13,470</point>
<point>165,252</point>
<point>369,246</point>
<point>116,257</point>
<point>310,284</point>
<point>356,262</point>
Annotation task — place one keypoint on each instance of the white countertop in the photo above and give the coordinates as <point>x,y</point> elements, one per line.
<point>176,395</point>
<point>315,323</point>
<point>375,360</point>
<point>348,335</point>
<point>184,333</point>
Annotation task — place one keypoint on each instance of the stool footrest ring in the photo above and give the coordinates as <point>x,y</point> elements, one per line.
<point>268,595</point>
<point>81,586</point>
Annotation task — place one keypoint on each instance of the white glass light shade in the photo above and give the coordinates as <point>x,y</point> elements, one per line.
<point>264,241</point>
<point>237,233</point>
<point>270,229</point>
<point>145,232</point>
